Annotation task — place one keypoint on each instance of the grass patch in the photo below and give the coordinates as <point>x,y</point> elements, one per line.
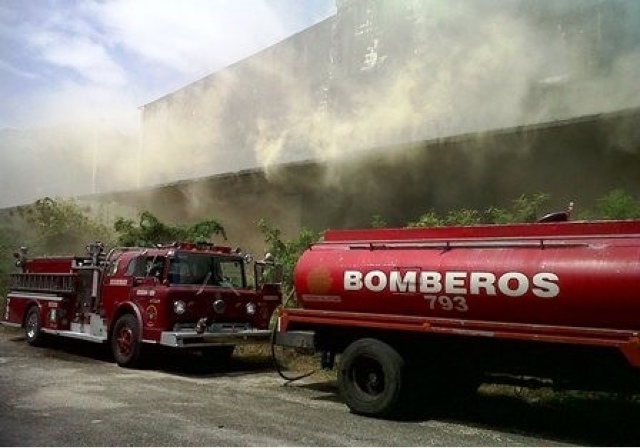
<point>292,360</point>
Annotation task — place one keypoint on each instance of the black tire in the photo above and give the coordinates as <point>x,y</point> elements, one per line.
<point>218,355</point>
<point>125,342</point>
<point>33,327</point>
<point>370,378</point>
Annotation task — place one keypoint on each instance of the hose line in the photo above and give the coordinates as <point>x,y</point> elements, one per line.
<point>277,365</point>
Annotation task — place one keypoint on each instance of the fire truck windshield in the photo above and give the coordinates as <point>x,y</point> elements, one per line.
<point>204,269</point>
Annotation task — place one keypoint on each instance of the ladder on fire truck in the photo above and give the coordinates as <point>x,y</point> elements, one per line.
<point>50,283</point>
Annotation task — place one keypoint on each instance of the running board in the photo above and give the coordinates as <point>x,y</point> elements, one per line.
<point>75,335</point>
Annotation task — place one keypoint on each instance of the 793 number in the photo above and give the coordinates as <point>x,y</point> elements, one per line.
<point>446,303</point>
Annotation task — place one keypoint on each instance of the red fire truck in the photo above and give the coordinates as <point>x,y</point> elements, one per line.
<point>187,296</point>
<point>435,312</point>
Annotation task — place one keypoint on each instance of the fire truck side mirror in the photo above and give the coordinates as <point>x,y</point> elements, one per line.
<point>268,273</point>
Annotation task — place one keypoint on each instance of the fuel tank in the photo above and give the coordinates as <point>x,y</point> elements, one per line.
<point>584,274</point>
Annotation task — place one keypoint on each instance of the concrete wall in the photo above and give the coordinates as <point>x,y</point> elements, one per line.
<point>407,71</point>
<point>232,119</point>
<point>384,73</point>
<point>398,107</point>
<point>577,160</point>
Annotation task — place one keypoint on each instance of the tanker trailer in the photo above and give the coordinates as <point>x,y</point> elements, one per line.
<point>435,312</point>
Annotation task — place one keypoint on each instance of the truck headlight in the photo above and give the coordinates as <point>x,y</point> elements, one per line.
<point>219,306</point>
<point>251,308</point>
<point>179,307</point>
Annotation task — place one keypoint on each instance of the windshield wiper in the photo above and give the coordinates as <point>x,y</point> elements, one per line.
<point>230,286</point>
<point>206,279</point>
<point>151,265</point>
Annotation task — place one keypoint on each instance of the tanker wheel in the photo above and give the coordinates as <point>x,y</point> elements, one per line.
<point>33,327</point>
<point>125,341</point>
<point>218,355</point>
<point>370,378</point>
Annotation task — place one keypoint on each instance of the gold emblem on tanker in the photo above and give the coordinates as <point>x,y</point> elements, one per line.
<point>319,280</point>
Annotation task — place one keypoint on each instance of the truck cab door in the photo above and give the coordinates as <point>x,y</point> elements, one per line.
<point>147,272</point>
<point>116,287</point>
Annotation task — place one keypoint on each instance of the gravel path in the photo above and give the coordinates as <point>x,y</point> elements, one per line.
<point>71,393</point>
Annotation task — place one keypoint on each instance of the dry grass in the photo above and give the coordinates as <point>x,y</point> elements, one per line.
<point>292,360</point>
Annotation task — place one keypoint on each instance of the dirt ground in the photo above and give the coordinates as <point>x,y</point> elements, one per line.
<point>71,393</point>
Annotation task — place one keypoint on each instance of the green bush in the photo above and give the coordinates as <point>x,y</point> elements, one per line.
<point>378,222</point>
<point>287,253</point>
<point>150,230</point>
<point>618,204</point>
<point>429,219</point>
<point>59,227</point>
<point>523,209</point>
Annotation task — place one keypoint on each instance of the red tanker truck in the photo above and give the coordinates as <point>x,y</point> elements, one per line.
<point>435,312</point>
<point>188,296</point>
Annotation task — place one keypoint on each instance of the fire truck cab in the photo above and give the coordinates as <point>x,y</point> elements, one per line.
<point>187,296</point>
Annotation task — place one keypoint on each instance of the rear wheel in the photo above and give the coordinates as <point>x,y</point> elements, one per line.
<point>33,327</point>
<point>370,378</point>
<point>125,341</point>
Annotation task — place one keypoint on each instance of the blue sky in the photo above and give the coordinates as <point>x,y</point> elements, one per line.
<point>70,61</point>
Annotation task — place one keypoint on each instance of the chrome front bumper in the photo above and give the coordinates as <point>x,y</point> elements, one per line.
<point>190,338</point>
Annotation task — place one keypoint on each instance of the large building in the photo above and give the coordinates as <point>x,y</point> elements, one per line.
<point>396,107</point>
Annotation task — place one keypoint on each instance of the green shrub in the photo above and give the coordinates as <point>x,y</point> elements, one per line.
<point>150,230</point>
<point>617,204</point>
<point>287,253</point>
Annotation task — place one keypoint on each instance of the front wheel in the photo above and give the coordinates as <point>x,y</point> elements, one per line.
<point>125,341</point>
<point>33,327</point>
<point>370,378</point>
